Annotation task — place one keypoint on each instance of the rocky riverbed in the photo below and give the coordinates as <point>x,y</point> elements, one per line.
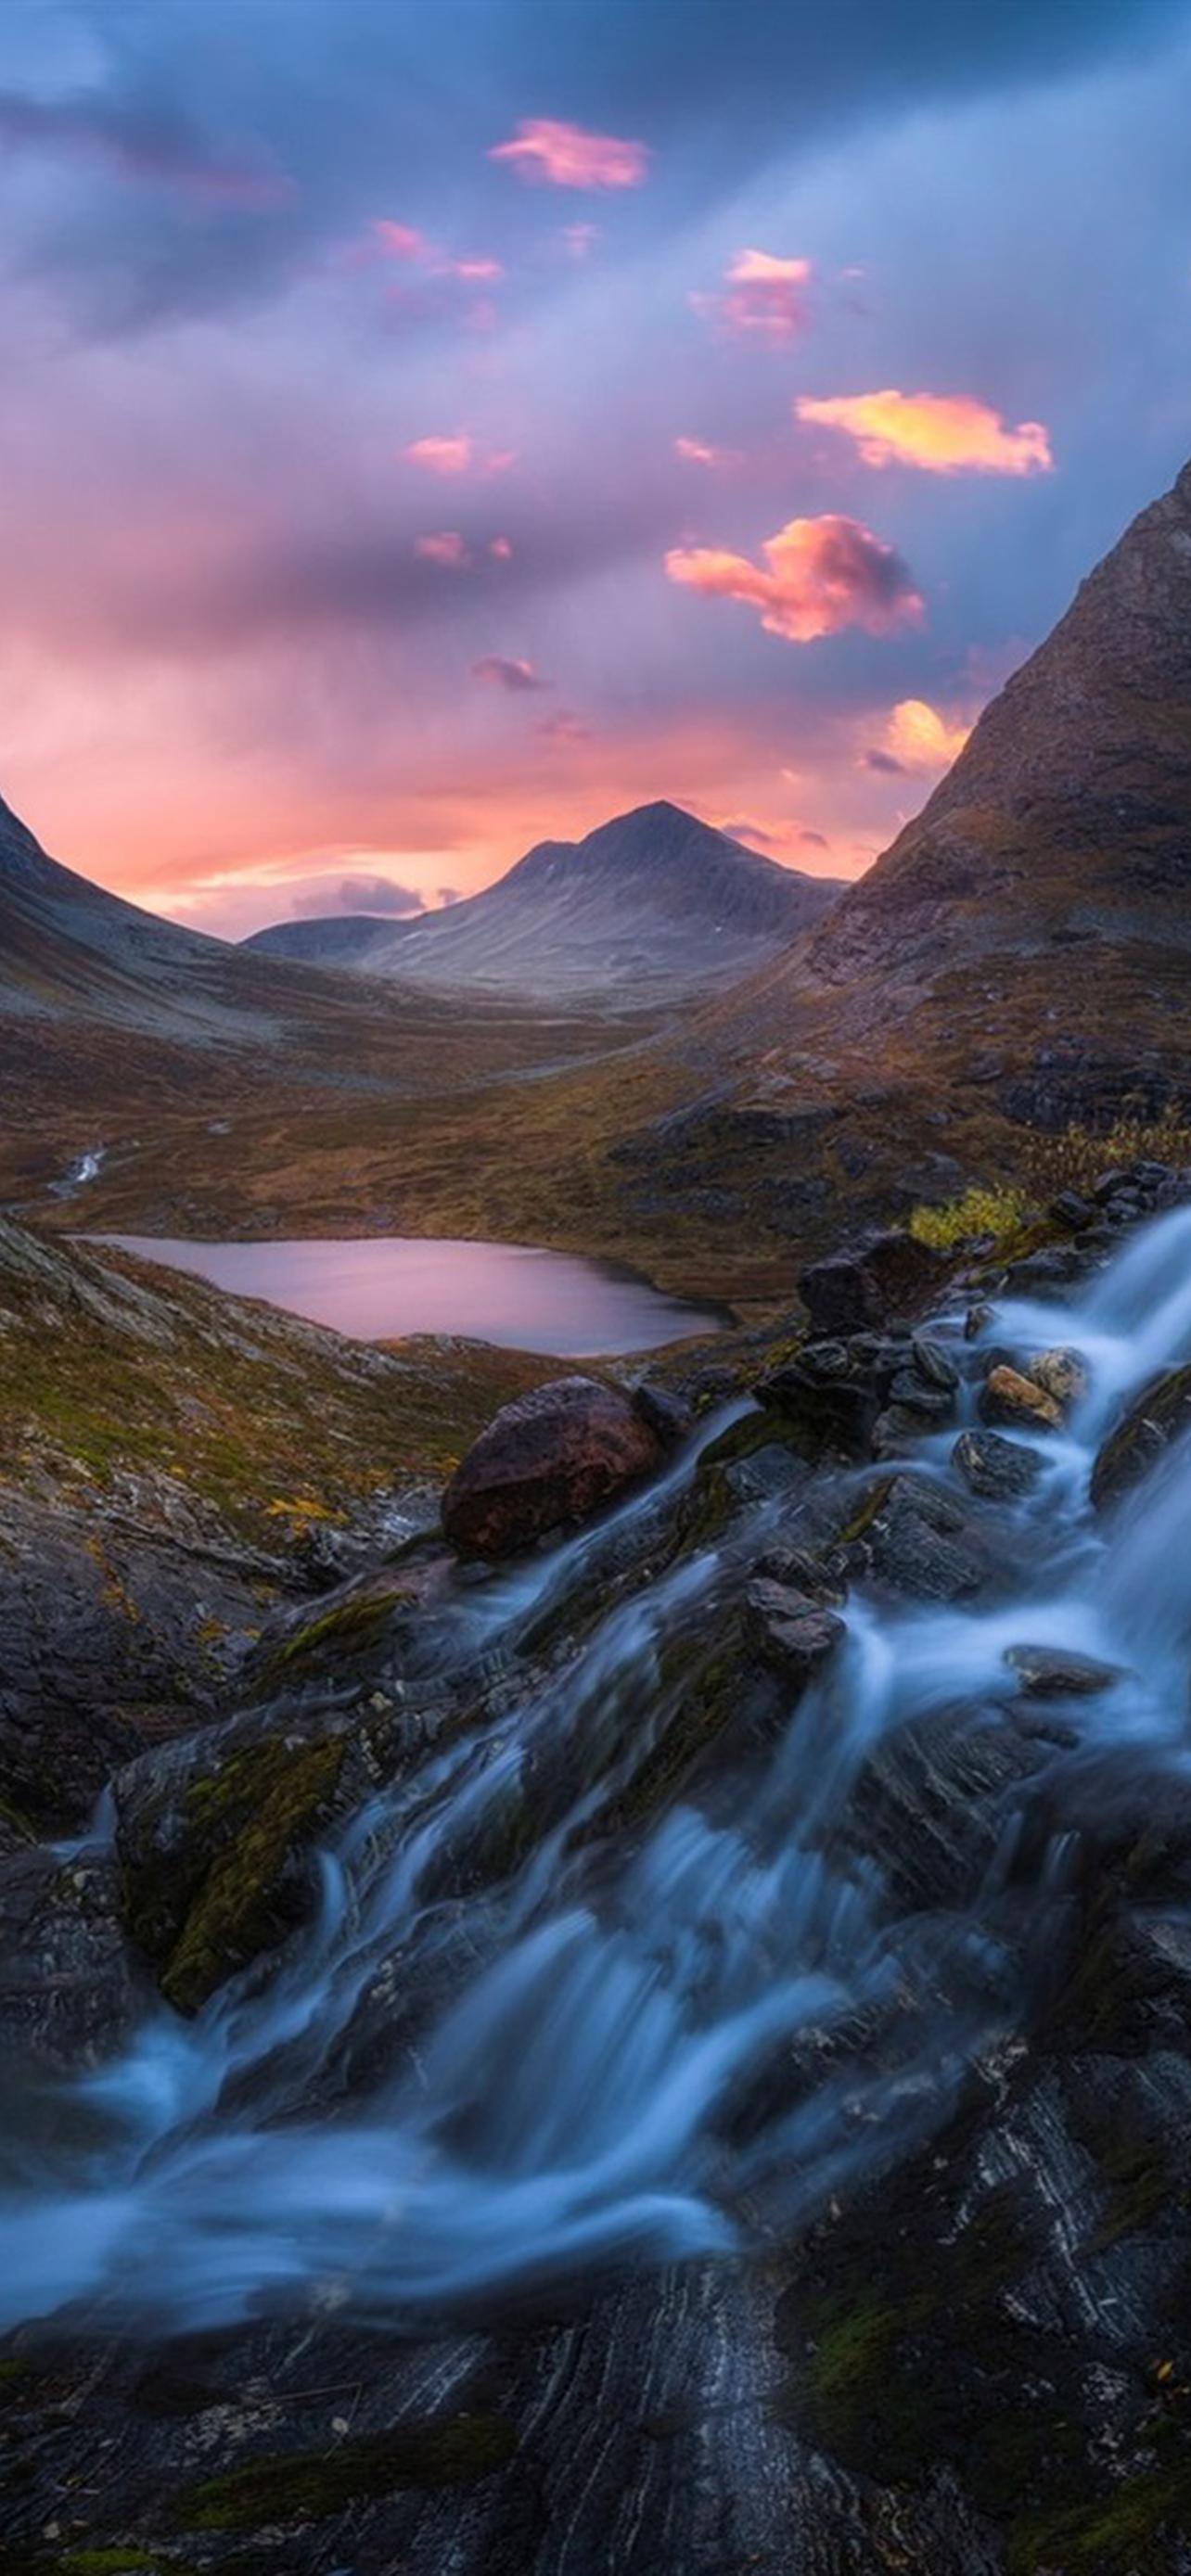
<point>668,2045</point>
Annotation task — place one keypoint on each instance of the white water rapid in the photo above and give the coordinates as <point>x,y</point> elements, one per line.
<point>587,2079</point>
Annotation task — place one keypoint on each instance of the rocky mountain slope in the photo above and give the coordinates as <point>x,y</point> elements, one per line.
<point>652,906</point>
<point>173,1463</point>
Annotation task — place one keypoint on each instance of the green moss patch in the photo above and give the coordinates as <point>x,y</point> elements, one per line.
<point>207,1908</point>
<point>305,2486</point>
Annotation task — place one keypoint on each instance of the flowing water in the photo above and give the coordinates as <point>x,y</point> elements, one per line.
<point>587,2082</point>
<point>380,1287</point>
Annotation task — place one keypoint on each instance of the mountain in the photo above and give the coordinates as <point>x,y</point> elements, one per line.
<point>328,939</point>
<point>67,947</point>
<point>652,906</point>
<point>1019,959</point>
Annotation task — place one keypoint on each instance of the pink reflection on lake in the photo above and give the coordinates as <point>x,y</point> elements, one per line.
<point>380,1287</point>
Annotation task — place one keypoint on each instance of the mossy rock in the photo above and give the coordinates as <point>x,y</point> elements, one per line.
<point>1131,2531</point>
<point>305,2486</point>
<point>231,1884</point>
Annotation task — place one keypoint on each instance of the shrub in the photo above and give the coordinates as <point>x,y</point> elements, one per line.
<point>1076,1157</point>
<point>983,1210</point>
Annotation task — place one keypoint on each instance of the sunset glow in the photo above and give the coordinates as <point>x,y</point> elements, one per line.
<point>326,396</point>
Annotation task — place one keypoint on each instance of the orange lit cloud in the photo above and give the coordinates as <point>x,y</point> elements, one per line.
<point>501,671</point>
<point>695,451</point>
<point>762,295</point>
<point>818,576</point>
<point>447,547</point>
<point>566,157</point>
<point>941,433</point>
<point>796,839</point>
<point>919,737</point>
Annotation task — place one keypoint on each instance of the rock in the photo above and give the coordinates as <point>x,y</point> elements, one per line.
<point>1000,1470</point>
<point>1010,1397</point>
<point>1072,1210</point>
<point>840,1295</point>
<point>831,1410</point>
<point>935,1403</point>
<point>69,1992</point>
<point>663,1412</point>
<point>789,1630</point>
<point>918,1542</point>
<point>797,1570</point>
<point>214,1838</point>
<point>1052,1672</point>
<point>549,1461</point>
<point>1062,1374</point>
<point>1109,1186</point>
<point>977,1320</point>
<point>934,1363</point>
<point>848,1292</point>
<point>929,1800</point>
<point>1160,1415</point>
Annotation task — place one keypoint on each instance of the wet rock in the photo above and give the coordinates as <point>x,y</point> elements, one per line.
<point>919,1542</point>
<point>935,1403</point>
<point>69,1989</point>
<point>833,1408</point>
<point>1052,1672</point>
<point>977,1321</point>
<point>933,1362</point>
<point>549,1461</point>
<point>1062,1374</point>
<point>999,1470</point>
<point>928,1804</point>
<point>214,1839</point>
<point>1008,1396</point>
<point>1159,1417</point>
<point>1045,1273</point>
<point>797,1570</point>
<point>663,1412</point>
<point>790,1631</point>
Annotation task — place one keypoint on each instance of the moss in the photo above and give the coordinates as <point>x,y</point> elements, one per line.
<point>204,1910</point>
<point>108,2562</point>
<point>349,1628</point>
<point>1128,2533</point>
<point>871,1502</point>
<point>304,2486</point>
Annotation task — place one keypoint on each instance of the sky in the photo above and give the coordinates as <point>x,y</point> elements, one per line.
<point>428,429</point>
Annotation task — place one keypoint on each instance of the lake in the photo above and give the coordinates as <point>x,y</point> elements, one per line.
<point>380,1287</point>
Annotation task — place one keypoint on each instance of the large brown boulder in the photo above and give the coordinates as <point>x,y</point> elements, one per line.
<point>547,1462</point>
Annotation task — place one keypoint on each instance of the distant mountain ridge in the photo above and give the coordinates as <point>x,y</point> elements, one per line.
<point>652,905</point>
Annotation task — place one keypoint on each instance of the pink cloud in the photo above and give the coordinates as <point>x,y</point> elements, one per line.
<point>695,451</point>
<point>818,576</point>
<point>940,433</point>
<point>762,295</point>
<point>501,549</point>
<point>563,727</point>
<point>399,241</point>
<point>565,156</point>
<point>440,455</point>
<point>446,547</point>
<point>501,671</point>
<point>580,239</point>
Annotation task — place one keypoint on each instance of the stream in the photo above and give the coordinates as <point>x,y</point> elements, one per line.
<point>587,2084</point>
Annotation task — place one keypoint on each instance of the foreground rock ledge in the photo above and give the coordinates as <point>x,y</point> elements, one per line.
<point>547,1462</point>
